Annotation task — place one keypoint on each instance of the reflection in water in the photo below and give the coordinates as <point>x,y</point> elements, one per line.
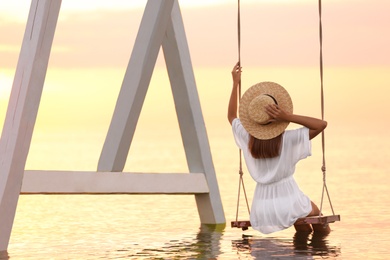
<point>316,245</point>
<point>304,245</point>
<point>206,245</point>
<point>4,255</point>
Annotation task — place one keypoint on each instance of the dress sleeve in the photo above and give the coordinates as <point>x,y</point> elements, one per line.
<point>241,136</point>
<point>299,143</point>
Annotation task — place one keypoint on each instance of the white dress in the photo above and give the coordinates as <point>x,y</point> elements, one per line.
<point>277,202</point>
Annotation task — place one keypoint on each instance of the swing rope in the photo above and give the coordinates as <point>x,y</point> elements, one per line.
<point>241,173</point>
<point>323,168</point>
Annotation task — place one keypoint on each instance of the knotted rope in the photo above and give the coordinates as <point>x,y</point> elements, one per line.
<point>241,173</point>
<point>323,168</point>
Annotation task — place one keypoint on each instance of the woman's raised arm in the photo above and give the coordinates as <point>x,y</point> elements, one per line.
<point>233,102</point>
<point>315,125</point>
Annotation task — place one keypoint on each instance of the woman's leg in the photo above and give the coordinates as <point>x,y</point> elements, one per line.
<point>315,211</point>
<point>307,227</point>
<point>323,228</point>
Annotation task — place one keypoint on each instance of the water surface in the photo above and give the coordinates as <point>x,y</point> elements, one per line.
<point>70,137</point>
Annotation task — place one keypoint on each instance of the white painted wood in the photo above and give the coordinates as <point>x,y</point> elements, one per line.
<point>135,85</point>
<point>188,109</point>
<point>73,182</point>
<point>161,25</point>
<point>23,107</point>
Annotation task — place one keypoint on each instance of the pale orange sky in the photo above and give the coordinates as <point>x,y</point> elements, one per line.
<point>277,32</point>
<point>280,36</point>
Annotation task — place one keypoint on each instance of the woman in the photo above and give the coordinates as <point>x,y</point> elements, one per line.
<point>271,154</point>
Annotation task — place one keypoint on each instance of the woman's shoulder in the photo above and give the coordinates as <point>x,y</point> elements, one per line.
<point>298,131</point>
<point>236,124</point>
<point>297,144</point>
<point>239,130</point>
<point>296,135</point>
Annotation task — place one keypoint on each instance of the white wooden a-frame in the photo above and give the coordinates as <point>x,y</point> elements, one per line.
<point>161,25</point>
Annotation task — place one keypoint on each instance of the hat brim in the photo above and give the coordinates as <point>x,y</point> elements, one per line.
<point>283,99</point>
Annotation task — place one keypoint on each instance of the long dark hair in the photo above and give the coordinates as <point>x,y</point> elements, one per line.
<point>265,148</point>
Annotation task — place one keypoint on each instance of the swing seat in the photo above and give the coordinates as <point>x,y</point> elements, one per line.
<point>243,224</point>
<point>318,220</point>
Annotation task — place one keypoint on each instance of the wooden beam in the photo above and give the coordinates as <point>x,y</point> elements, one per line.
<point>74,182</point>
<point>189,113</point>
<point>135,85</point>
<point>23,107</point>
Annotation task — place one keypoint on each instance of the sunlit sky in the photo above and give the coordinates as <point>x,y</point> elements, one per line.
<point>277,32</point>
<point>99,34</point>
<point>94,39</point>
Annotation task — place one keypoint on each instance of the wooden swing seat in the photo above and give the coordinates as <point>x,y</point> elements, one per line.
<point>318,220</point>
<point>244,224</point>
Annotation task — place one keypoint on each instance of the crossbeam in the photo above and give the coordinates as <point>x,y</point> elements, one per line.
<point>84,182</point>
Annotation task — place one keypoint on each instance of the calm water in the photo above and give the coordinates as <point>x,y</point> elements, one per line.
<point>167,226</point>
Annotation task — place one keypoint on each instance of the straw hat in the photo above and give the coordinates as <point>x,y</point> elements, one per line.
<point>252,112</point>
